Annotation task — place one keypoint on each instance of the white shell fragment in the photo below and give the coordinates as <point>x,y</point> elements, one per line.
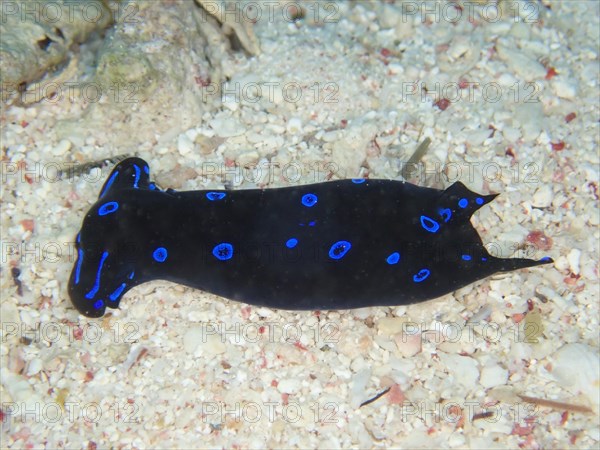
<point>493,375</point>
<point>577,367</point>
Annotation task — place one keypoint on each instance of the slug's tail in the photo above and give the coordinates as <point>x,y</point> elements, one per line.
<point>509,264</point>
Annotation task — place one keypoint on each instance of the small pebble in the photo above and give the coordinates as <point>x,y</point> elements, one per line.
<point>62,147</point>
<point>524,65</point>
<point>564,88</point>
<point>331,136</point>
<point>493,375</point>
<point>462,368</point>
<point>392,325</point>
<point>184,144</point>
<point>574,257</point>
<point>289,386</point>
<point>542,198</point>
<point>248,159</point>
<point>520,30</point>
<point>34,366</point>
<point>408,344</point>
<point>227,127</point>
<point>294,126</point>
<point>199,339</point>
<point>577,367</point>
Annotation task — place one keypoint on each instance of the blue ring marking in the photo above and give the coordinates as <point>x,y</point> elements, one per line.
<point>137,176</point>
<point>78,239</point>
<point>463,202</point>
<point>484,259</point>
<point>99,304</point>
<point>309,200</point>
<point>79,262</point>
<point>545,258</point>
<point>446,214</point>
<point>466,257</point>
<point>111,180</point>
<point>421,275</point>
<point>96,286</point>
<point>393,258</point>
<point>152,186</point>
<point>358,180</point>
<point>223,251</point>
<point>479,201</point>
<point>312,223</point>
<point>291,243</point>
<point>160,254</point>
<point>212,196</point>
<point>131,275</point>
<point>339,249</point>
<point>108,208</point>
<point>429,224</point>
<point>147,170</point>
<point>118,291</point>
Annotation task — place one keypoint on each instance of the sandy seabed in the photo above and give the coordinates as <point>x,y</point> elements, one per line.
<point>511,105</point>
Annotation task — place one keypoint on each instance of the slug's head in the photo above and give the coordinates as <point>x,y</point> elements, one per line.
<point>107,250</point>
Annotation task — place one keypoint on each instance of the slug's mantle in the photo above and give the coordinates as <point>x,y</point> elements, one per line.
<point>335,245</point>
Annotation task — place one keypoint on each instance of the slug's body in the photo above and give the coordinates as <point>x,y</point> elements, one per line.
<point>335,245</point>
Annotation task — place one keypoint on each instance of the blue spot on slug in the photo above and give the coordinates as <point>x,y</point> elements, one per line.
<point>99,304</point>
<point>393,258</point>
<point>137,176</point>
<point>96,286</point>
<point>358,180</point>
<point>109,183</point>
<point>309,200</point>
<point>422,275</point>
<point>463,203</point>
<point>160,254</point>
<point>339,249</point>
<point>446,214</point>
<point>466,257</point>
<point>79,262</point>
<point>291,243</point>
<point>108,208</point>
<point>215,195</point>
<point>115,295</point>
<point>479,201</point>
<point>429,224</point>
<point>223,251</point>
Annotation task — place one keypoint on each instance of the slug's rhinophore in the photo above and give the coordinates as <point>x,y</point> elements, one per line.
<point>336,245</point>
